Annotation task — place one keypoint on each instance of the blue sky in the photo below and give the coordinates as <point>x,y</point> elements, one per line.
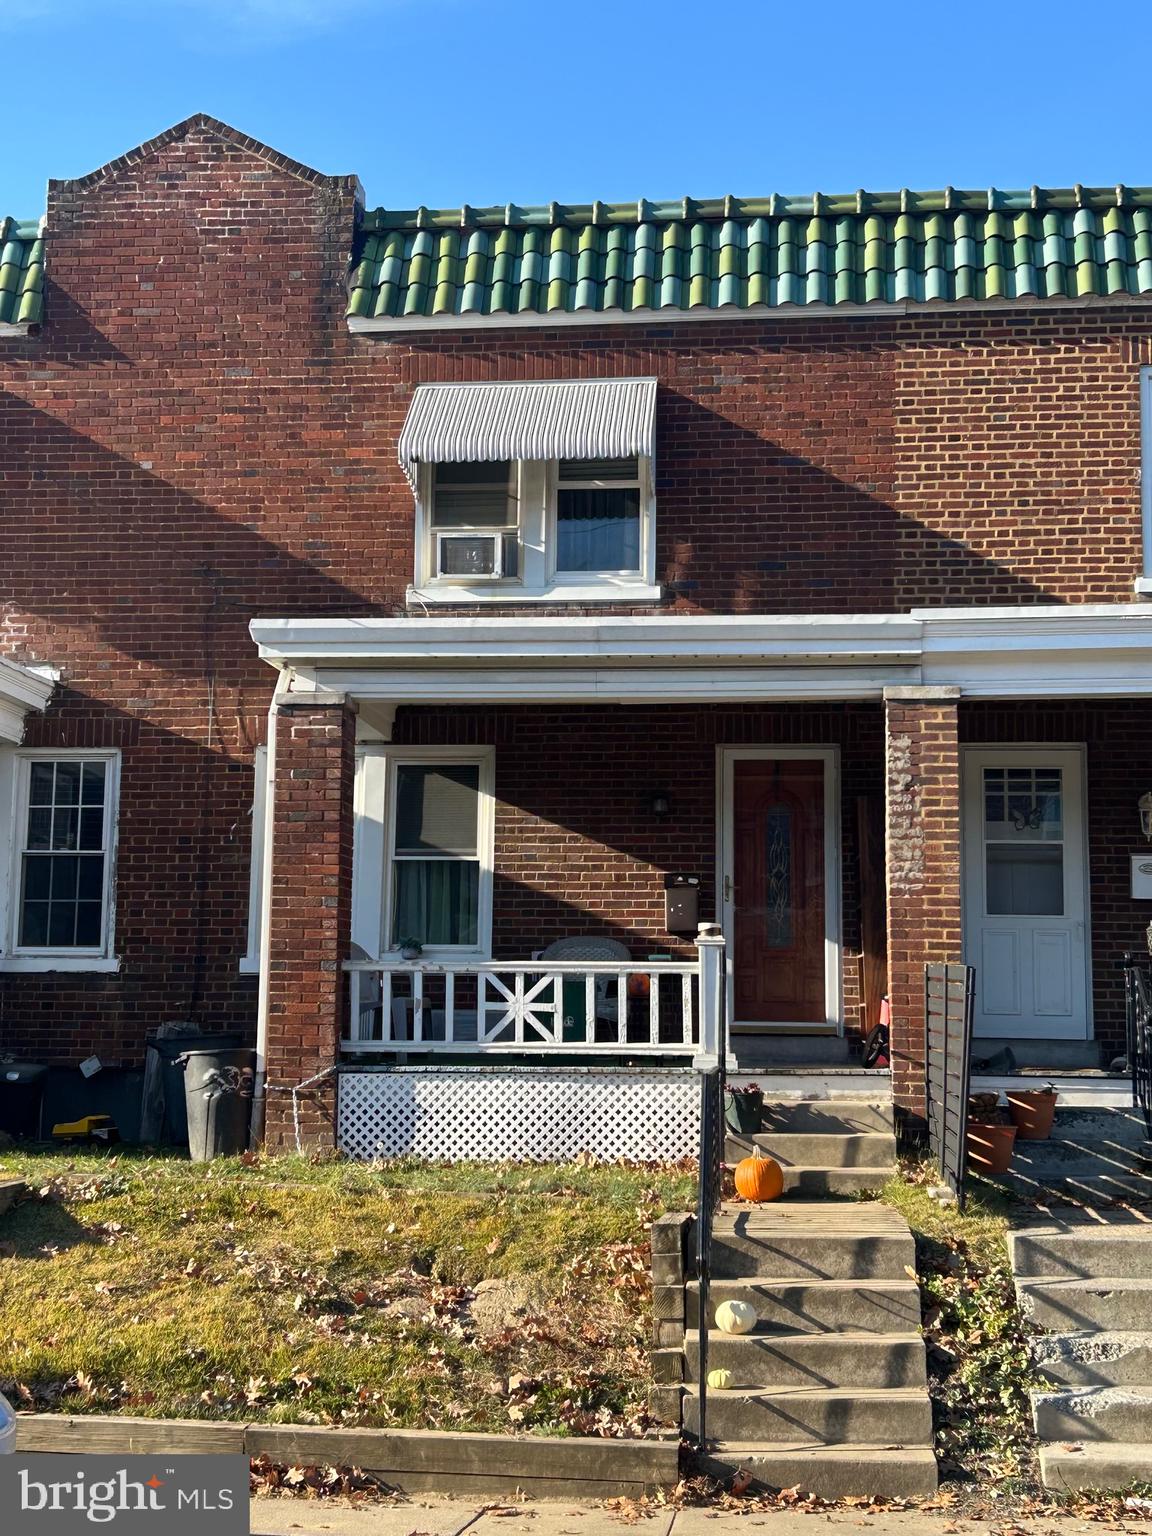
<point>485,101</point>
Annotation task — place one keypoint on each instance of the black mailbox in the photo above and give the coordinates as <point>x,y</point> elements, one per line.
<point>681,903</point>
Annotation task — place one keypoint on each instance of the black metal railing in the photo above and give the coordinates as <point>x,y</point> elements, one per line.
<point>1138,1017</point>
<point>710,1192</point>
<point>948,1005</point>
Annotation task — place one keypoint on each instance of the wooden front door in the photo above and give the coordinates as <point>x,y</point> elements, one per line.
<point>778,890</point>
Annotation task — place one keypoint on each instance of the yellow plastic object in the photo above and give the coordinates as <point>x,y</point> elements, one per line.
<point>87,1125</point>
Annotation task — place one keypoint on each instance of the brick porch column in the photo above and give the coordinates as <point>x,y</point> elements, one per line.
<point>922,771</point>
<point>311,906</point>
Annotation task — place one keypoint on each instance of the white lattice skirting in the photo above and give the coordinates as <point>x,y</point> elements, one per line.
<point>491,1114</point>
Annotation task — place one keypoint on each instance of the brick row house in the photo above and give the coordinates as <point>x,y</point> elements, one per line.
<point>415,624</point>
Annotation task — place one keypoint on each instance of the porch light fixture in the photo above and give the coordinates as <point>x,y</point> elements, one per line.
<point>661,806</point>
<point>1145,804</point>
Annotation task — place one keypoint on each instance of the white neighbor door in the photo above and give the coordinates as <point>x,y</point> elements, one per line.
<point>1025,873</point>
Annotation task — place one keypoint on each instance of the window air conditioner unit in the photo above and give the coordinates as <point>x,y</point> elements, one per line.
<point>473,556</point>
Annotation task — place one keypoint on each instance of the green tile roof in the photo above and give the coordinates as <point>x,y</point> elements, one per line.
<point>862,248</point>
<point>21,272</point>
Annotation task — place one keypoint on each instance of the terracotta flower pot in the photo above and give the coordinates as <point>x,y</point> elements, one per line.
<point>1032,1113</point>
<point>990,1147</point>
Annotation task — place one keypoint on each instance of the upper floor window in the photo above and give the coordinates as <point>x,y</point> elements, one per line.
<point>63,849</point>
<point>533,491</point>
<point>537,526</point>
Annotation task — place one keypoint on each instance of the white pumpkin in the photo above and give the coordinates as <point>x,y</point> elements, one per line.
<point>720,1380</point>
<point>735,1317</point>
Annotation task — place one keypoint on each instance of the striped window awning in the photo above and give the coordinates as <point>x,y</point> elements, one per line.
<point>552,419</point>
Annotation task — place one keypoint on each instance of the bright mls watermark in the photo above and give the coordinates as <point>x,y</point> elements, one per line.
<point>69,1494</point>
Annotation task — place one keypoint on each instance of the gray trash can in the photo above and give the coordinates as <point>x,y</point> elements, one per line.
<point>218,1093</point>
<point>169,1048</point>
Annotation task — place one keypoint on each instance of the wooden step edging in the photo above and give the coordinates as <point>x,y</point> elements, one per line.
<point>414,1460</point>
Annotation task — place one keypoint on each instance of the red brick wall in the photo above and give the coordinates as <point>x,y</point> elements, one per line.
<point>923,844</point>
<point>577,848</point>
<point>311,911</point>
<point>194,439</point>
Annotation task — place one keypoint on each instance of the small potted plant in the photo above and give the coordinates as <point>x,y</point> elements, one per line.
<point>1032,1111</point>
<point>411,949</point>
<point>991,1135</point>
<point>745,1108</point>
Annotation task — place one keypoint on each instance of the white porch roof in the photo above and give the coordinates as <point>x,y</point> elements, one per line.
<point>22,689</point>
<point>1102,650</point>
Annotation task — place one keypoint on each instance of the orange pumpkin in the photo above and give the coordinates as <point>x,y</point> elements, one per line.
<point>759,1178</point>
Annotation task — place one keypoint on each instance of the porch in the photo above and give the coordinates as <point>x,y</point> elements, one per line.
<point>467,810</point>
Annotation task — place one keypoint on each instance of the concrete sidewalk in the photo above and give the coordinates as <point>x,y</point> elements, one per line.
<point>450,1517</point>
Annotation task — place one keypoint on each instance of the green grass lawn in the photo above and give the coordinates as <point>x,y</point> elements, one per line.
<point>331,1292</point>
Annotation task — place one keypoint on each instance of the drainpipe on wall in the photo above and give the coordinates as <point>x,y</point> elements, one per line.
<point>259,1102</point>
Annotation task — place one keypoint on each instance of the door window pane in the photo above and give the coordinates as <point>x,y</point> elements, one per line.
<point>778,870</point>
<point>1025,881</point>
<point>1023,804</point>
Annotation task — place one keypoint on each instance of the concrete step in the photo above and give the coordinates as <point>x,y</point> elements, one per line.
<point>1094,1359</point>
<point>1087,1464</point>
<point>806,1242</point>
<point>811,1359</point>
<point>900,1415</point>
<point>1113,1414</point>
<point>881,1307</point>
<point>1087,1186</point>
<point>820,1149</point>
<point>829,1471</point>
<point>10,1191</point>
<point>1063,1306</point>
<point>1082,1250</point>
<point>811,1183</point>
<point>827,1117</point>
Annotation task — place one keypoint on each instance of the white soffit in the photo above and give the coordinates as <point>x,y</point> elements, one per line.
<point>21,689</point>
<point>554,419</point>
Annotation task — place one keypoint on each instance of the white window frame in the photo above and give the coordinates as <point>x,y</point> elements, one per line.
<point>647,564</point>
<point>374,842</point>
<point>100,957</point>
<point>250,961</point>
<point>536,484</point>
<point>1144,580</point>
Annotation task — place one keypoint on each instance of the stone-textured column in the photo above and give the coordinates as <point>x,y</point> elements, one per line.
<point>311,907</point>
<point>923,870</point>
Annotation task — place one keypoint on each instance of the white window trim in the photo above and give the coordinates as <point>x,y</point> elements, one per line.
<point>1144,581</point>
<point>250,961</point>
<point>17,958</point>
<point>536,483</point>
<point>373,839</point>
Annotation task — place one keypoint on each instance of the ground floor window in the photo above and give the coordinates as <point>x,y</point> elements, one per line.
<point>63,850</point>
<point>423,870</point>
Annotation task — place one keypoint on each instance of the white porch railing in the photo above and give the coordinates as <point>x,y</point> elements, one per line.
<point>527,1007</point>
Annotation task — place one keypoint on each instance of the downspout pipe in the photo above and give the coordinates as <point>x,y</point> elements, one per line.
<point>259,1095</point>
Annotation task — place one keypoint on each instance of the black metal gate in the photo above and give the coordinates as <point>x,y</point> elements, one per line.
<point>1138,1012</point>
<point>948,1004</point>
